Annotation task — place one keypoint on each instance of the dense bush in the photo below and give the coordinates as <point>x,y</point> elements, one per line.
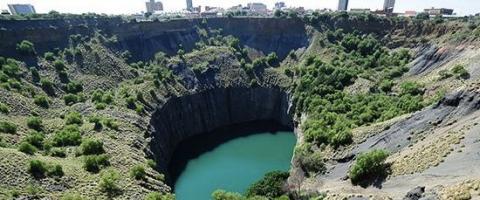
<point>26,48</point>
<point>97,121</point>
<point>109,182</point>
<point>138,172</point>
<point>36,139</point>
<point>4,108</point>
<point>460,72</point>
<point>42,101</point>
<point>369,167</point>
<point>158,196</point>
<point>411,88</point>
<point>73,118</point>
<point>27,148</point>
<point>224,195</point>
<point>94,163</point>
<point>269,186</point>
<point>313,162</point>
<point>49,56</point>
<point>68,136</point>
<point>58,152</point>
<point>8,127</point>
<point>92,147</point>
<point>35,123</point>
<point>48,87</point>
<point>74,87</point>
<point>37,168</point>
<point>70,99</point>
<point>55,170</point>
<point>59,65</point>
<point>333,112</point>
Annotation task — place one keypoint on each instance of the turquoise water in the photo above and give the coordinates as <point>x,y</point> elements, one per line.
<point>235,164</point>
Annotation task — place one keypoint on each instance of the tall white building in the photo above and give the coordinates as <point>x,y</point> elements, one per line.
<point>388,6</point>
<point>189,5</point>
<point>153,6</point>
<point>21,9</point>
<point>343,5</point>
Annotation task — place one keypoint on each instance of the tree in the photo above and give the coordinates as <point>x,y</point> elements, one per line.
<point>269,186</point>
<point>26,48</point>
<point>369,167</point>
<point>109,182</point>
<point>422,16</point>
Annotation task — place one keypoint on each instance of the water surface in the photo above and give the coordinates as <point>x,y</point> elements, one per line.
<point>235,164</point>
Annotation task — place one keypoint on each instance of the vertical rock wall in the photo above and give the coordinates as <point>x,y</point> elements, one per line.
<point>183,117</point>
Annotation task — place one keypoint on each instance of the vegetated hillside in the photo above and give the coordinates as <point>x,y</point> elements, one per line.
<point>366,92</point>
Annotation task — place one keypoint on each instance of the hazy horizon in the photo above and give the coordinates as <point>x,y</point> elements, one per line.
<point>461,7</point>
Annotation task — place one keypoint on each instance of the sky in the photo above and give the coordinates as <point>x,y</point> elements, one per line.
<point>462,7</point>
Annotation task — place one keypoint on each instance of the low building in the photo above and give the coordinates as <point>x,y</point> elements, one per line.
<point>21,9</point>
<point>410,13</point>
<point>257,8</point>
<point>439,11</point>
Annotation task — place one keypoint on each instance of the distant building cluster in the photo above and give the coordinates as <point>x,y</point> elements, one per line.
<point>388,9</point>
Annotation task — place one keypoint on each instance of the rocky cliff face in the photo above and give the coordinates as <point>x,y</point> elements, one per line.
<point>144,39</point>
<point>186,116</point>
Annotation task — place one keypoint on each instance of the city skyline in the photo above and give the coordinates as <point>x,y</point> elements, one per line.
<point>461,7</point>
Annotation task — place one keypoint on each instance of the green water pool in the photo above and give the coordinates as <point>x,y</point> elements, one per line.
<point>235,164</point>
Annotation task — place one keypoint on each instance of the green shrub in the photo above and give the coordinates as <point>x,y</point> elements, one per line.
<point>411,88</point>
<point>138,172</point>
<point>47,86</point>
<point>27,148</point>
<point>100,106</point>
<point>131,102</point>
<point>73,118</point>
<point>272,59</point>
<point>158,196</point>
<point>7,127</point>
<point>68,136</point>
<point>97,121</point>
<point>111,123</point>
<point>109,182</point>
<point>35,123</point>
<point>369,167</point>
<point>224,195</point>
<point>36,139</point>
<point>26,48</point>
<point>49,56</point>
<point>74,87</point>
<point>35,74</point>
<point>58,152</point>
<point>92,147</point>
<point>444,74</point>
<point>59,65</point>
<point>4,108</point>
<point>269,186</point>
<point>55,170</point>
<point>37,168</point>
<point>151,163</point>
<point>42,101</point>
<point>460,72</point>
<point>94,163</point>
<point>386,85</point>
<point>313,162</point>
<point>70,99</point>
